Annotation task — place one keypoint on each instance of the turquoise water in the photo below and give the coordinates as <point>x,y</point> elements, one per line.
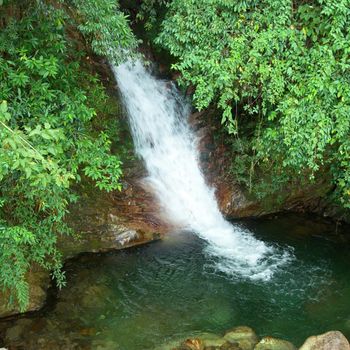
<point>142,297</point>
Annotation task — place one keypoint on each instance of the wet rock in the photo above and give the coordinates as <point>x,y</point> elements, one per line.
<point>269,343</point>
<point>109,221</point>
<point>193,344</point>
<point>332,340</point>
<point>16,332</point>
<point>230,346</point>
<point>233,198</point>
<point>96,296</point>
<point>211,340</point>
<point>206,341</point>
<point>39,281</point>
<point>243,336</point>
<point>102,222</point>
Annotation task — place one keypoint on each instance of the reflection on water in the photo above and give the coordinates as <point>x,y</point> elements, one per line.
<point>141,297</point>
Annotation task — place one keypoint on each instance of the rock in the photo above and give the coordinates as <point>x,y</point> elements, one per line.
<point>174,344</point>
<point>211,340</point>
<point>206,341</point>
<point>229,346</point>
<point>332,340</point>
<point>233,198</point>
<point>269,343</point>
<point>108,221</point>
<point>16,332</point>
<point>244,336</point>
<point>95,295</point>
<point>102,222</point>
<point>193,344</point>
<point>39,281</point>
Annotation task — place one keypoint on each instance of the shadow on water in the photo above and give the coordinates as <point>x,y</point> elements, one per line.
<point>141,297</point>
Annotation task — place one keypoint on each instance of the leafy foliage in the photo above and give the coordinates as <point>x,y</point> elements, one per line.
<point>284,65</point>
<point>106,28</point>
<point>49,106</point>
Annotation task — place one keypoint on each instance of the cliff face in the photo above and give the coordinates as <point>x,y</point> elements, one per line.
<point>233,199</point>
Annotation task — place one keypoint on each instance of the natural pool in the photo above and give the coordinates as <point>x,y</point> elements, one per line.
<point>142,297</point>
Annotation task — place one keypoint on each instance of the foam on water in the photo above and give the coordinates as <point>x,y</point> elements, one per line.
<point>162,137</point>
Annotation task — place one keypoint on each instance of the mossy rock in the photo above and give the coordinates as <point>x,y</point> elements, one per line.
<point>244,336</point>
<point>269,343</point>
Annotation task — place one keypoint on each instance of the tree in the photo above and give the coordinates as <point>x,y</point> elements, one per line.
<point>50,106</point>
<point>284,65</point>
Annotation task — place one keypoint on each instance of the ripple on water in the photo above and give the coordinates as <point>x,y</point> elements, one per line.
<point>139,298</point>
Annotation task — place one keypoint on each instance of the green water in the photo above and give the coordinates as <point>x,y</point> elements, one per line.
<point>142,297</point>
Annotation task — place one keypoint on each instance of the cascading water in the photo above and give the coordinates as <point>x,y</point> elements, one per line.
<point>162,137</point>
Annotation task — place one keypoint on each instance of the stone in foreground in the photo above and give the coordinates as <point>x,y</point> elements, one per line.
<point>244,336</point>
<point>333,340</point>
<point>269,343</point>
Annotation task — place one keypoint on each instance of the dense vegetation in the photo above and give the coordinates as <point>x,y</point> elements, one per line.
<point>52,128</point>
<point>278,73</point>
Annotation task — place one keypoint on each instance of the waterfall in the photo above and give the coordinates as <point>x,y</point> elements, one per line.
<point>163,139</point>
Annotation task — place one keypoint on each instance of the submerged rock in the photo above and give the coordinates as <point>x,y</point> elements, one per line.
<point>333,340</point>
<point>244,336</point>
<point>14,333</point>
<point>269,343</point>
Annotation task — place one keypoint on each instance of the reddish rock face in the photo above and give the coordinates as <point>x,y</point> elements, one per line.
<point>234,201</point>
<point>215,161</point>
<point>106,221</point>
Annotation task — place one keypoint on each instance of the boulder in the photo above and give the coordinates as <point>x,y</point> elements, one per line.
<point>212,340</point>
<point>269,343</point>
<point>209,341</point>
<point>332,340</point>
<point>244,336</point>
<point>226,346</point>
<point>39,282</point>
<point>193,344</point>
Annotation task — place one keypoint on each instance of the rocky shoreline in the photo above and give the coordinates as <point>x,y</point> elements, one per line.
<point>102,222</point>
<point>105,222</point>
<point>244,338</point>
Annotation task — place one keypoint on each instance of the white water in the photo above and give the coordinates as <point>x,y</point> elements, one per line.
<point>162,137</point>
